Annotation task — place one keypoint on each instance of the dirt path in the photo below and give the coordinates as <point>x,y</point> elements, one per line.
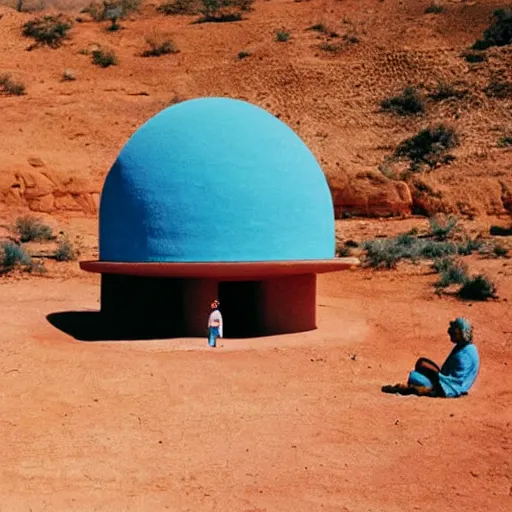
<point>275,424</point>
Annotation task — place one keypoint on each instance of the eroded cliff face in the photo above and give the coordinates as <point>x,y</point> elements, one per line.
<point>327,88</point>
<point>44,190</point>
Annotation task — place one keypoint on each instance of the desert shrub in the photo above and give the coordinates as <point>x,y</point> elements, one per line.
<point>243,54</point>
<point>432,249</point>
<point>243,5</point>
<point>68,75</point>
<point>434,8</point>
<point>107,10</point>
<point>499,251</point>
<point>479,287</point>
<point>494,250</point>
<point>499,32</point>
<point>407,103</point>
<point>441,226</point>
<point>468,246</point>
<point>282,36</point>
<point>10,87</point>
<point>445,90</point>
<point>428,146</point>
<point>223,10</point>
<point>451,272</point>
<point>159,46</point>
<point>329,47</point>
<point>47,30</point>
<point>318,27</point>
<point>498,89</point>
<point>13,256</point>
<point>114,15</point>
<point>474,57</point>
<point>351,38</point>
<point>179,7</point>
<point>505,141</point>
<point>65,250</point>
<point>104,58</point>
<point>384,253</point>
<point>32,229</point>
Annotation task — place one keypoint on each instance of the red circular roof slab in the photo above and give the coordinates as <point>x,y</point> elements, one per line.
<point>222,270</point>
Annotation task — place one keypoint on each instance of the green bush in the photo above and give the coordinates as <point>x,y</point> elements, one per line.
<point>434,8</point>
<point>282,36</point>
<point>9,87</point>
<point>468,246</point>
<point>223,10</point>
<point>407,103</point>
<point>329,47</point>
<point>65,250</point>
<point>318,27</point>
<point>107,10</point>
<point>47,30</point>
<point>478,287</point>
<point>451,272</point>
<point>386,253</point>
<point>104,58</point>
<point>159,47</point>
<point>445,90</point>
<point>499,251</point>
<point>505,141</point>
<point>32,229</point>
<point>179,7</point>
<point>432,249</point>
<point>428,146</point>
<point>499,89</point>
<point>383,253</point>
<point>474,57</point>
<point>13,256</point>
<point>499,32</point>
<point>441,226</point>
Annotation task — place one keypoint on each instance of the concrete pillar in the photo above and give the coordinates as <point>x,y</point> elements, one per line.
<point>288,304</point>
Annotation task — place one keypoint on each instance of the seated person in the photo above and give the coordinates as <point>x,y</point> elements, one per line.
<point>457,374</point>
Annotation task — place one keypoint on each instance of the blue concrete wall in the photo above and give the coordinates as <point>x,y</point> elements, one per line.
<point>215,179</point>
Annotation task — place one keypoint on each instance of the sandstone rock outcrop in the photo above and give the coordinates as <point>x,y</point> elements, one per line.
<point>43,190</point>
<point>371,195</point>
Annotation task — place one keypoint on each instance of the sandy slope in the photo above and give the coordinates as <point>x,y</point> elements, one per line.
<point>331,99</point>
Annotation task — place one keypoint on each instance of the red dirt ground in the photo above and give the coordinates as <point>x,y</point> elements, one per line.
<point>280,424</point>
<point>285,423</point>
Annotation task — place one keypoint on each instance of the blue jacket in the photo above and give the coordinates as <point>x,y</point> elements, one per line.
<point>460,369</point>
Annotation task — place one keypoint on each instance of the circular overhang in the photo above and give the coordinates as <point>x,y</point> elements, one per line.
<point>221,270</point>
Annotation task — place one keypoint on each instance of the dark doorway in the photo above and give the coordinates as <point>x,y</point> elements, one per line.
<point>149,306</point>
<point>239,305</point>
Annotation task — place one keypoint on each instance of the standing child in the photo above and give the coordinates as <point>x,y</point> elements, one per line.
<point>214,324</point>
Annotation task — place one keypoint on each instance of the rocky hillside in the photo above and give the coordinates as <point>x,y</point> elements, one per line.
<point>322,66</point>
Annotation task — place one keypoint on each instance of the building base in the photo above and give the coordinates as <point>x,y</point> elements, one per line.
<point>179,307</point>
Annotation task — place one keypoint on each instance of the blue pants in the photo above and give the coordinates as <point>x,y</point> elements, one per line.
<point>212,336</point>
<point>418,379</point>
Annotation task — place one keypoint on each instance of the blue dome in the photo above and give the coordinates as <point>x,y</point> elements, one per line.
<point>215,180</point>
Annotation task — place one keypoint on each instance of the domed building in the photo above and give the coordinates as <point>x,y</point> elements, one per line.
<point>215,198</point>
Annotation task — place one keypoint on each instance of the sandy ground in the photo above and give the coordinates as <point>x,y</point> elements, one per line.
<point>283,423</point>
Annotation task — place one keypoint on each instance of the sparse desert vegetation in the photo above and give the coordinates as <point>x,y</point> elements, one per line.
<point>10,87</point>
<point>47,30</point>
<point>406,103</point>
<point>429,147</point>
<point>104,57</point>
<point>159,44</point>
<point>282,36</point>
<point>499,32</point>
